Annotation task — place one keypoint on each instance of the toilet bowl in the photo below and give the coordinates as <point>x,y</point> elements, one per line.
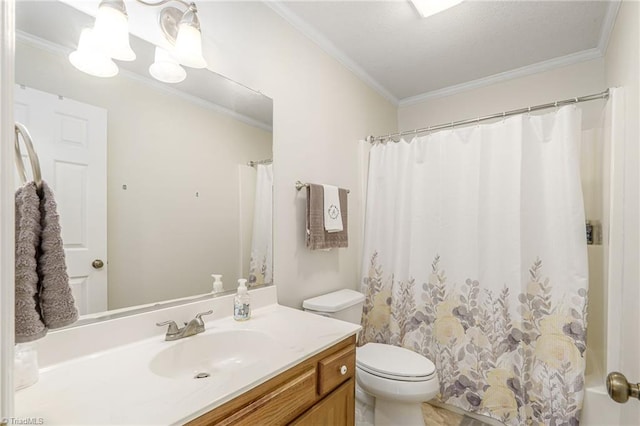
<point>399,380</point>
<point>394,380</point>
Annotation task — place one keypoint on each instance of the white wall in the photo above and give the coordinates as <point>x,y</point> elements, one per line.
<point>321,110</point>
<point>163,241</point>
<point>580,79</point>
<point>622,70</point>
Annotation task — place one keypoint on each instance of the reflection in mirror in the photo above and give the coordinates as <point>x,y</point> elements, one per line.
<point>154,183</point>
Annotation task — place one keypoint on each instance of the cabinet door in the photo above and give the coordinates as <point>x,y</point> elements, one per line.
<point>337,409</point>
<point>279,405</point>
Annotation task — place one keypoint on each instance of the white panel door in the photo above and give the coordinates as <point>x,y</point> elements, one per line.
<point>622,254</point>
<point>70,138</point>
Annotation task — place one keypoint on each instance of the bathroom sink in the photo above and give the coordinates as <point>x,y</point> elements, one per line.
<point>214,355</point>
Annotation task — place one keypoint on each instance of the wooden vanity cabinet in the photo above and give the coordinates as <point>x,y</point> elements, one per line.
<point>338,408</point>
<point>318,391</point>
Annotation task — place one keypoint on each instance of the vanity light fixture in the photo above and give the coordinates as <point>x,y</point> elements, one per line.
<point>88,58</point>
<point>109,40</point>
<point>428,8</point>
<point>182,29</point>
<point>111,30</point>
<point>165,68</point>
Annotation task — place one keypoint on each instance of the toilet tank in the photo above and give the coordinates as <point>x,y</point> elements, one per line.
<point>345,305</point>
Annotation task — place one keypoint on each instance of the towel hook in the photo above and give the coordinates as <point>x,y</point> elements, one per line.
<point>21,130</point>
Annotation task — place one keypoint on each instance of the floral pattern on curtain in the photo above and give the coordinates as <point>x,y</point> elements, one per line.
<point>520,372</point>
<point>475,257</point>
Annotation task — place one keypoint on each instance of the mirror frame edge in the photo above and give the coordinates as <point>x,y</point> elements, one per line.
<point>7,221</point>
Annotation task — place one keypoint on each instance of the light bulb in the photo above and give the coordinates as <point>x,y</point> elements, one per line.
<point>188,47</point>
<point>112,30</point>
<point>165,68</point>
<point>90,59</point>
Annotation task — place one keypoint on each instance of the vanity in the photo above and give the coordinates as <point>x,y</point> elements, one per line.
<point>283,366</point>
<point>319,390</point>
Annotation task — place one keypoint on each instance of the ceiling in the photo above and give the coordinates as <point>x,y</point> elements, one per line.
<point>408,59</point>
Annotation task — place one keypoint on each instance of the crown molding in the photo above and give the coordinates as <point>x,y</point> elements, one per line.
<point>303,27</point>
<point>608,24</point>
<point>573,58</point>
<point>536,68</point>
<point>59,50</point>
<point>562,61</point>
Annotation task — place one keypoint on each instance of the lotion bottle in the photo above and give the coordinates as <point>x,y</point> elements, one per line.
<point>242,302</point>
<point>217,283</point>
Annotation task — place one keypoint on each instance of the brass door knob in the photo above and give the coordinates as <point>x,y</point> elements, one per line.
<point>97,264</point>
<point>620,389</point>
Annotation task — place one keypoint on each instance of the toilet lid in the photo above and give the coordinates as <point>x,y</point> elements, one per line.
<point>394,362</point>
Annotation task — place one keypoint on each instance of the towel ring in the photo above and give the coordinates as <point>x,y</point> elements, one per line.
<point>21,130</point>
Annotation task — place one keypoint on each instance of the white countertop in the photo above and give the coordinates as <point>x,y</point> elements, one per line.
<point>117,386</point>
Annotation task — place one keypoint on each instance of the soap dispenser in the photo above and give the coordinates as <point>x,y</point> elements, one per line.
<point>242,302</point>
<point>217,283</point>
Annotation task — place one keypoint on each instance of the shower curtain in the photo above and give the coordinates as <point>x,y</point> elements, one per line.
<point>475,256</point>
<point>261,262</point>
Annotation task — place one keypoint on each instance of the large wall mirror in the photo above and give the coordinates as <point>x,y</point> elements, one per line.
<point>158,185</point>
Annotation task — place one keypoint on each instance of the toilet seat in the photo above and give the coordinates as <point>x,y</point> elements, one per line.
<point>394,363</point>
<point>397,390</point>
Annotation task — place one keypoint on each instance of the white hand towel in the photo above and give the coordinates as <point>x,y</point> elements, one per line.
<point>332,209</point>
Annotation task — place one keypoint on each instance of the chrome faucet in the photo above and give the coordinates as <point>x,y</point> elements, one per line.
<point>191,328</point>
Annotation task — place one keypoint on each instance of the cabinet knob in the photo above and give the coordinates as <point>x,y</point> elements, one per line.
<point>343,370</point>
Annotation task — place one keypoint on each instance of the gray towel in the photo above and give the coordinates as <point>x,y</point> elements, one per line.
<point>43,295</point>
<point>56,300</point>
<point>29,325</point>
<point>317,236</point>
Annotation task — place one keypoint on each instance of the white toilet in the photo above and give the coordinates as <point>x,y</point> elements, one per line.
<point>394,380</point>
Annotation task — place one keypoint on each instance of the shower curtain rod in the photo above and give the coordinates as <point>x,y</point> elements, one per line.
<point>255,163</point>
<point>381,139</point>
